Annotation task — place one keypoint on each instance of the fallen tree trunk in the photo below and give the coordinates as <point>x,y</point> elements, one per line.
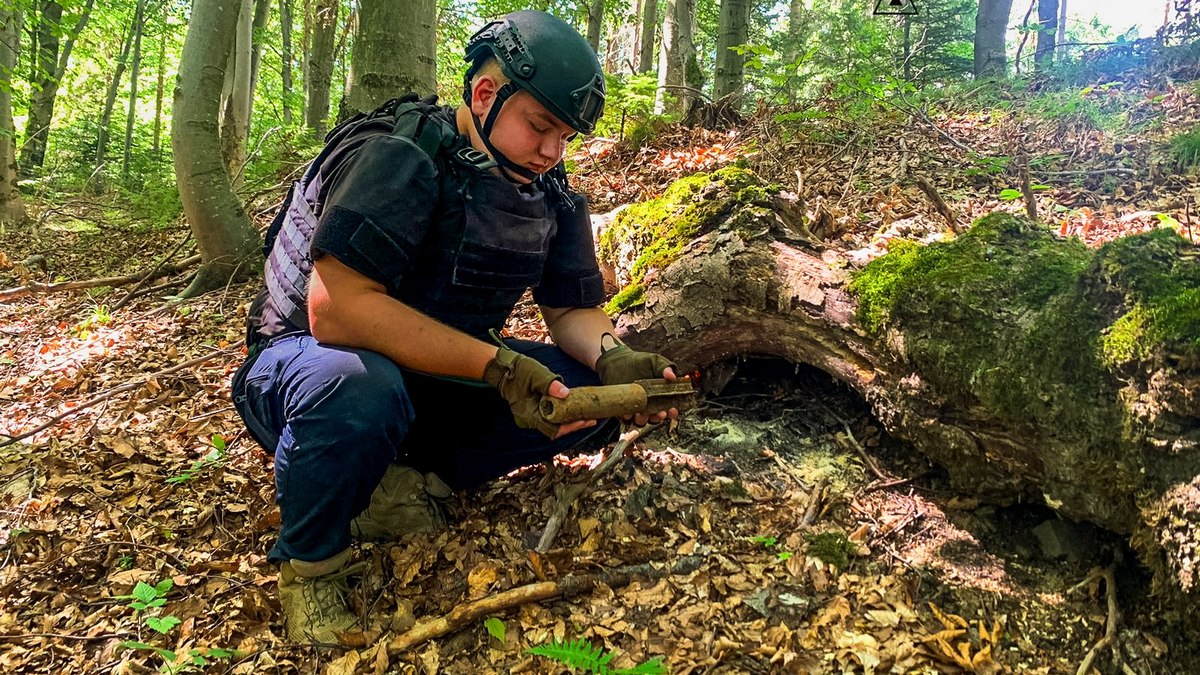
<point>1031,368</point>
<point>30,288</point>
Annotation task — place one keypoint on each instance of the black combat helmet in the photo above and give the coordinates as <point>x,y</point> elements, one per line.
<point>545,56</point>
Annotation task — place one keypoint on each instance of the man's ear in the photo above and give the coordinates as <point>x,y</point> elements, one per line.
<point>483,92</point>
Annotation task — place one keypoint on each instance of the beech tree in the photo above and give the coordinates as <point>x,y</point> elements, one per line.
<point>51,66</point>
<point>319,63</point>
<point>12,208</point>
<point>1047,31</point>
<point>227,241</point>
<point>595,23</point>
<point>236,93</point>
<point>734,30</point>
<point>991,23</point>
<point>386,30</point>
<point>648,30</point>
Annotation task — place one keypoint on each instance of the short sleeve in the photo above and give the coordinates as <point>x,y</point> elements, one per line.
<point>571,277</point>
<point>379,202</point>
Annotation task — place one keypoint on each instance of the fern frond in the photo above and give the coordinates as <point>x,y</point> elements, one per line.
<point>579,654</point>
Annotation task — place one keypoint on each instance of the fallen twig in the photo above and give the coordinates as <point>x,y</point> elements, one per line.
<point>128,386</point>
<point>568,586</point>
<point>35,287</point>
<point>567,495</point>
<point>1110,627</point>
<point>814,503</point>
<point>150,275</point>
<point>1027,189</point>
<point>939,203</point>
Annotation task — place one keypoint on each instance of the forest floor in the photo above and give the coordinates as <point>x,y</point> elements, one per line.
<point>822,544</point>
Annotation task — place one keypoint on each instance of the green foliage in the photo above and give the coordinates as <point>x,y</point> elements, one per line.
<point>629,108</point>
<point>195,660</point>
<point>214,457</point>
<point>144,596</point>
<point>581,655</point>
<point>1185,148</point>
<point>496,628</point>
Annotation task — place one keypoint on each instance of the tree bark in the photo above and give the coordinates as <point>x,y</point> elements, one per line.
<point>44,85</point>
<point>227,240</point>
<point>797,31</point>
<point>258,35</point>
<point>646,43</point>
<point>385,29</point>
<point>160,87</point>
<point>991,23</point>
<point>734,30</point>
<point>139,23</point>
<point>669,73</point>
<point>236,93</point>
<point>595,23</point>
<point>12,207</point>
<point>1047,29</point>
<point>320,64</point>
<point>1062,26</point>
<point>110,99</point>
<point>1002,366</point>
<point>285,27</point>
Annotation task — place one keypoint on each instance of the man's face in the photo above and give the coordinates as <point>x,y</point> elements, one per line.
<point>525,131</point>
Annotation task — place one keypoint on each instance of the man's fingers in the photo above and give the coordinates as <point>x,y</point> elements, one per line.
<point>558,389</point>
<point>571,427</point>
<point>668,373</point>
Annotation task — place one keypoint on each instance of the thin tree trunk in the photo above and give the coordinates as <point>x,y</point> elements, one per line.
<point>685,50</point>
<point>110,99</point>
<point>595,24</point>
<point>669,73</point>
<point>797,30</point>
<point>160,87</point>
<point>235,122</point>
<point>1024,36</point>
<point>262,11</point>
<point>730,66</point>
<point>139,22</point>
<point>227,241</point>
<point>12,207</point>
<point>44,85</point>
<point>320,64</point>
<point>386,28</point>
<point>648,30</point>
<point>1061,37</point>
<point>991,23</point>
<point>285,29</point>
<point>1047,29</point>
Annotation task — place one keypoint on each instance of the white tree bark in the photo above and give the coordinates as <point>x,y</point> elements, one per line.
<point>236,94</point>
<point>669,72</point>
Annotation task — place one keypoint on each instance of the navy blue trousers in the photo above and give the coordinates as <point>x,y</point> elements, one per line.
<point>335,417</point>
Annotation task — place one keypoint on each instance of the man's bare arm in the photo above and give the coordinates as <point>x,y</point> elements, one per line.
<point>577,330</point>
<point>346,308</point>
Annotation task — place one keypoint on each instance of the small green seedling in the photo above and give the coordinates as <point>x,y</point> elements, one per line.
<point>212,458</point>
<point>496,628</point>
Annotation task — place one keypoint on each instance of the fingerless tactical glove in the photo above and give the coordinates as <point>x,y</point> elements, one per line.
<point>522,381</point>
<point>622,365</point>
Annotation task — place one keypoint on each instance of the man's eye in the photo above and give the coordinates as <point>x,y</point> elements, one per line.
<point>540,130</point>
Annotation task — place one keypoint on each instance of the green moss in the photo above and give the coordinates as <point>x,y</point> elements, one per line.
<point>832,548</point>
<point>659,228</point>
<point>630,296</point>
<point>1126,340</point>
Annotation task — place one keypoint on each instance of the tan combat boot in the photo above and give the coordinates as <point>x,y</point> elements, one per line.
<point>404,502</point>
<point>315,598</point>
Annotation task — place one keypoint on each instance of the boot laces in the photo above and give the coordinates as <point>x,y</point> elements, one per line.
<point>328,596</point>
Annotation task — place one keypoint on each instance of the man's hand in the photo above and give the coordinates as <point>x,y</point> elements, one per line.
<point>618,364</point>
<point>523,381</point>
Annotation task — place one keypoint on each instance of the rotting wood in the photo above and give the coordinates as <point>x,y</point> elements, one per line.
<point>1111,625</point>
<point>34,287</point>
<point>566,587</point>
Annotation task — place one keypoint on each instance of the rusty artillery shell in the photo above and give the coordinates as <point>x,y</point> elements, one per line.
<point>593,403</point>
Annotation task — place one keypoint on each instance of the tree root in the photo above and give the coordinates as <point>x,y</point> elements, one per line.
<point>568,586</point>
<point>1110,629</point>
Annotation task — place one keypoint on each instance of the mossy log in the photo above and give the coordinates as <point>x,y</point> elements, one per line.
<point>1031,368</point>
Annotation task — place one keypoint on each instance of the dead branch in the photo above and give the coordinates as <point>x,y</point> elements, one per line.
<point>565,496</point>
<point>1110,628</point>
<point>568,586</point>
<point>939,203</point>
<point>150,275</point>
<point>814,503</point>
<point>1027,189</point>
<point>128,386</point>
<point>34,287</point>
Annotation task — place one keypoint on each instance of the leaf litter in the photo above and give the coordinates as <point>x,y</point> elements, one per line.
<point>159,483</point>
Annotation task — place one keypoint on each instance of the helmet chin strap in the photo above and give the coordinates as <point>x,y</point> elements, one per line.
<point>484,130</point>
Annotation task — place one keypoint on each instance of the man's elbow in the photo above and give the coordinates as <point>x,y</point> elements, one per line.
<point>323,322</point>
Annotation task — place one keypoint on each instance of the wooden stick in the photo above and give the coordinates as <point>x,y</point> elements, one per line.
<point>814,503</point>
<point>150,275</point>
<point>128,386</point>
<point>35,287</point>
<point>939,203</point>
<point>1027,189</point>
<point>1110,628</point>
<point>568,586</point>
<point>567,496</point>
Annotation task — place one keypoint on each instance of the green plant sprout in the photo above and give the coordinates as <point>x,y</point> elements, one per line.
<point>213,457</point>
<point>496,628</point>
<point>581,655</point>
